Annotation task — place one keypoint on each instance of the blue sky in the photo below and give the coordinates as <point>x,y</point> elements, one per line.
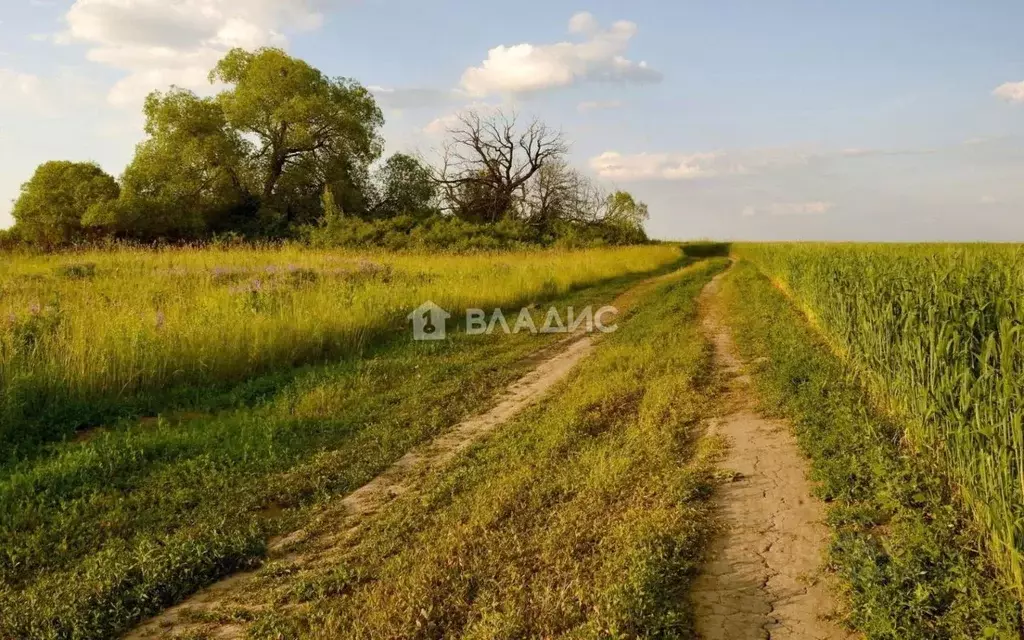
<point>869,120</point>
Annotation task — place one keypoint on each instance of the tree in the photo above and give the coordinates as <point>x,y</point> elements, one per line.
<point>53,202</point>
<point>188,177</point>
<point>621,208</point>
<point>487,160</point>
<point>559,193</point>
<point>405,186</point>
<point>624,216</point>
<point>327,129</point>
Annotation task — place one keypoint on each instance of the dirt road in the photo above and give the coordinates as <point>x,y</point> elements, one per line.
<point>331,529</point>
<point>763,576</point>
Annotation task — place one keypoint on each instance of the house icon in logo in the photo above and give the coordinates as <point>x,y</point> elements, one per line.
<point>428,321</point>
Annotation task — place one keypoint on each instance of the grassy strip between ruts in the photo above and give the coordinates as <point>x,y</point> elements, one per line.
<point>907,555</point>
<point>585,517</point>
<point>100,533</point>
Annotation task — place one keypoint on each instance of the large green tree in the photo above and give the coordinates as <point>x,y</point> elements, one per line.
<point>53,202</point>
<point>405,186</point>
<point>310,131</point>
<point>187,177</point>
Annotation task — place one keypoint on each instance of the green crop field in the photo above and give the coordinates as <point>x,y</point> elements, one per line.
<point>937,329</point>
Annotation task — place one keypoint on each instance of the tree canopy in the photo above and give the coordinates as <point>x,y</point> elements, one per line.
<point>53,202</point>
<point>284,151</point>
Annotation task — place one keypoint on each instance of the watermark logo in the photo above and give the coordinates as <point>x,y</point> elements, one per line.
<point>428,321</point>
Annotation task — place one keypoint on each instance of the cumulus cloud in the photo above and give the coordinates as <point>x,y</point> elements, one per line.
<point>164,42</point>
<point>1010,91</point>
<point>691,166</point>
<point>598,105</point>
<point>527,68</point>
<point>789,209</point>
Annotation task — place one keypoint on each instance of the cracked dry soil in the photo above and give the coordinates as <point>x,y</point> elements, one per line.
<point>763,576</point>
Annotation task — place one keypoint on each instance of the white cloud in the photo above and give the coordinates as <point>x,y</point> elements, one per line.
<point>789,209</point>
<point>526,68</point>
<point>988,199</point>
<point>160,42</point>
<point>1011,91</point>
<point>598,105</point>
<point>654,166</point>
<point>691,166</point>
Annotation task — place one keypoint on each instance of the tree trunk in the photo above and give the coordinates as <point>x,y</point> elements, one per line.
<point>276,169</point>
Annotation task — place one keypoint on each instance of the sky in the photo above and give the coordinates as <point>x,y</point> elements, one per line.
<point>894,120</point>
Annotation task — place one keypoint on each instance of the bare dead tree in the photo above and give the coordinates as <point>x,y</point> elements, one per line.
<point>487,161</point>
<point>559,192</point>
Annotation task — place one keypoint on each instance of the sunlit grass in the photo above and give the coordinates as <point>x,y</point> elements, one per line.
<point>102,531</point>
<point>80,333</point>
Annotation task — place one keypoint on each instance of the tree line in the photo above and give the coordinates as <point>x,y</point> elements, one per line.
<point>285,151</point>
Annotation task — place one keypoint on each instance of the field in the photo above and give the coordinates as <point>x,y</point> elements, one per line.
<point>172,418</point>
<point>88,339</point>
<point>937,329</point>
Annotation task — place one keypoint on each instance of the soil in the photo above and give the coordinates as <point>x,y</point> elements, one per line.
<point>764,575</point>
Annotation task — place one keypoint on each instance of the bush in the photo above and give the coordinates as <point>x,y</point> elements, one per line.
<point>704,249</point>
<point>10,240</point>
<point>452,234</point>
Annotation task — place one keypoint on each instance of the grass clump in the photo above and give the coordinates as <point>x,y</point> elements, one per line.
<point>908,557</point>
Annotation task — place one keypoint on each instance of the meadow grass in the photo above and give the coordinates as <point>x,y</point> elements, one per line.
<point>90,337</point>
<point>936,331</point>
<point>102,532</point>
<point>906,550</point>
<point>585,517</point>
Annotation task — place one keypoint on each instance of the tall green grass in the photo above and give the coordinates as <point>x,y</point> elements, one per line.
<point>100,532</point>
<point>937,330</point>
<point>907,556</point>
<point>81,335</point>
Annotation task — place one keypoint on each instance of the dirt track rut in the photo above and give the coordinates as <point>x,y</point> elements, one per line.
<point>332,528</point>
<point>763,577</point>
